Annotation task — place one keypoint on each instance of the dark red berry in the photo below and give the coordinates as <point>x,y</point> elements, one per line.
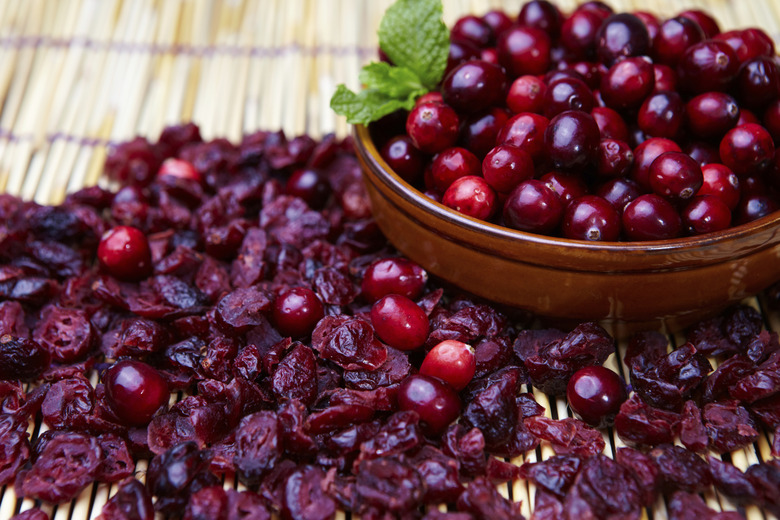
<point>595,394</point>
<point>567,94</point>
<point>474,85</point>
<point>296,311</point>
<point>662,115</point>
<point>578,33</point>
<point>435,401</point>
<point>627,83</point>
<point>393,276</point>
<point>124,253</point>
<point>473,29</point>
<point>526,94</point>
<point>452,164</point>
<point>665,78</point>
<point>311,185</point>
<point>480,131</point>
<point>611,124</point>
<point>705,21</point>
<point>498,20</point>
<point>506,166</point>
<point>748,43</point>
<point>472,196</point>
<point>399,322</point>
<point>673,39</point>
<point>524,50</point>
<point>432,127</point>
<point>619,192</point>
<point>526,131</point>
<point>572,140</point>
<point>652,23</point>
<point>651,217</point>
<point>134,391</point>
<point>720,182</point>
<point>708,65</point>
<point>712,114</point>
<point>645,154</point>
<point>568,186</point>
<point>534,207</point>
<point>615,158</point>
<point>403,158</point>
<point>622,35</point>
<point>451,361</point>
<point>706,214</point>
<point>771,120</point>
<point>591,218</point>
<point>753,206</point>
<point>703,152</point>
<point>747,149</point>
<point>541,14</point>
<point>460,51</point>
<point>675,175</point>
<point>758,82</point>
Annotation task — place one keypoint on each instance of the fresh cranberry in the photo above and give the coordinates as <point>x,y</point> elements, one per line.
<point>568,186</point>
<point>572,140</point>
<point>674,37</point>
<point>526,131</point>
<point>704,152</point>
<point>596,6</point>
<point>645,154</point>
<point>489,55</point>
<point>708,65</point>
<point>590,71</point>
<point>498,20</point>
<point>705,21</point>
<point>399,322</point>
<point>721,182</point>
<point>432,127</point>
<point>748,43</point>
<point>758,82</point>
<point>506,166</point>
<point>754,206</point>
<point>591,218</point>
<point>619,192</point>
<point>296,311</point>
<point>403,158</point>
<point>595,394</point>
<point>533,206</point>
<point>433,96</point>
<point>578,33</point>
<point>771,120</point>
<point>615,158</point>
<point>452,164</point>
<point>473,29</point>
<point>662,115</point>
<point>526,94</point>
<point>611,124</point>
<point>124,253</point>
<point>472,196</point>
<point>651,217</point>
<point>460,51</point>
<point>524,50</point>
<point>665,78</point>
<point>180,169</point>
<point>541,14</point>
<point>134,391</point>
<point>706,214</point>
<point>474,85</point>
<point>567,94</point>
<point>746,116</point>
<point>712,114</point>
<point>627,83</point>
<point>622,35</point>
<point>393,276</point>
<point>747,148</point>
<point>676,176</point>
<point>652,23</point>
<point>480,131</point>
<point>435,401</point>
<point>311,185</point>
<point>452,361</point>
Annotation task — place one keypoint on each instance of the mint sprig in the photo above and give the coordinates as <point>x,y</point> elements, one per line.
<point>414,37</point>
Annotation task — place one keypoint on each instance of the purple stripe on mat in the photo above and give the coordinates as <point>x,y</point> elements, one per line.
<point>19,42</point>
<point>11,137</point>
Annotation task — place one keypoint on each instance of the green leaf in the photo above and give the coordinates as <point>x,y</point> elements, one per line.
<point>413,35</point>
<point>397,82</point>
<point>367,105</point>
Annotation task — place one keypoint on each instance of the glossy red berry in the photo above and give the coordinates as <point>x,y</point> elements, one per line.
<point>393,276</point>
<point>747,149</point>
<point>451,164</point>
<point>758,82</point>
<point>474,85</point>
<point>676,176</point>
<point>506,166</point>
<point>498,20</point>
<point>567,93</point>
<point>620,36</point>
<point>595,394</point>
<point>480,130</point>
<point>311,185</point>
<point>567,185</point>
<point>627,83</point>
<point>748,43</point>
<point>454,362</point>
<point>665,78</point>
<point>719,181</point>
<point>472,196</point>
<point>296,311</point>
<point>124,253</point>
<point>541,14</point>
<point>708,65</point>
<point>526,94</point>
<point>435,402</point>
<point>674,37</point>
<point>611,124</point>
<point>524,50</point>
<point>706,214</point>
<point>473,29</point>
<point>578,33</point>
<point>134,391</point>
<point>645,154</point>
<point>619,192</point>
<point>403,158</point>
<point>705,21</point>
<point>651,217</point>
<point>432,127</point>
<point>399,322</point>
<point>591,218</point>
<point>533,206</point>
<point>712,114</point>
<point>526,131</point>
<point>662,115</point>
<point>615,158</point>
<point>572,140</point>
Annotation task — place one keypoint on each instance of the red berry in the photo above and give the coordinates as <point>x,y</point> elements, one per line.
<point>524,50</point>
<point>645,154</point>
<point>676,176</point>
<point>179,168</point>
<point>311,185</point>
<point>675,36</point>
<point>591,218</point>
<point>595,394</point>
<point>721,182</point>
<point>651,217</point>
<point>506,166</point>
<point>451,361</point>
<point>568,186</point>
<point>393,276</point>
<point>706,214</point>
<point>708,65</point>
<point>567,93</point>
<point>432,127</point>
<point>452,164</point>
<point>403,158</point>
<point>472,196</point>
<point>435,402</point>
<point>480,131</point>
<point>572,140</point>
<point>526,94</point>
<point>620,36</point>
<point>134,391</point>
<point>662,115</point>
<point>533,206</point>
<point>627,83</point>
<point>526,131</point>
<point>124,253</point>
<point>711,114</point>
<point>615,158</point>
<point>399,322</point>
<point>296,311</point>
<point>474,85</point>
<point>611,124</point>
<point>747,149</point>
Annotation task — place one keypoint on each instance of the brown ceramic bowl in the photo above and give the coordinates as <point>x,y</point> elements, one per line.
<point>626,284</point>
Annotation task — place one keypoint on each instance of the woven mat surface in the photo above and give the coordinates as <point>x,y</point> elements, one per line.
<point>79,75</point>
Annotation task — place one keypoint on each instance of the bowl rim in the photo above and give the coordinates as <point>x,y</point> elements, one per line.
<point>367,148</point>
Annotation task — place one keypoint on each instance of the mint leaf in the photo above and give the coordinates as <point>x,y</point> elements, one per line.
<point>367,105</point>
<point>413,35</point>
<point>397,82</point>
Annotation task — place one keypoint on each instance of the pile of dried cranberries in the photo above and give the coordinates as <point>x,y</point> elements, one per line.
<point>323,370</point>
<point>597,126</point>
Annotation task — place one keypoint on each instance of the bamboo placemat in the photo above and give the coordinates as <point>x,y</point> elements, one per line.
<point>77,76</point>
